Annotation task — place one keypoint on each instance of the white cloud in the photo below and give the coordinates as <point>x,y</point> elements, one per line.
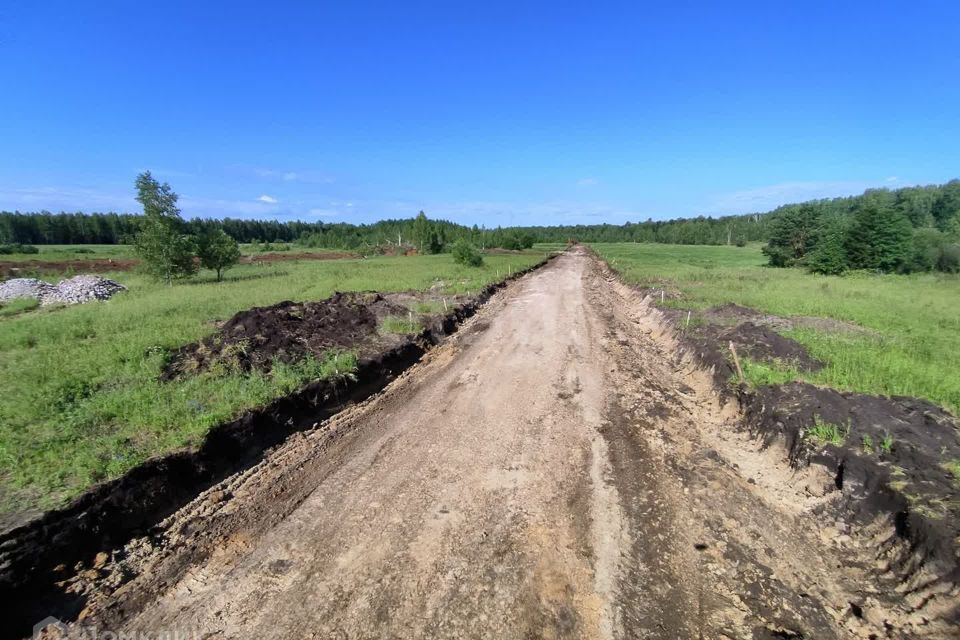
<point>587,182</point>
<point>267,199</point>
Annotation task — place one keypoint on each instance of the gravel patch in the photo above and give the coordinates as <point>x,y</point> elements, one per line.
<point>75,290</point>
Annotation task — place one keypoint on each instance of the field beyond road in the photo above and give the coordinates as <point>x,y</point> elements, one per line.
<point>909,345</point>
<point>82,399</point>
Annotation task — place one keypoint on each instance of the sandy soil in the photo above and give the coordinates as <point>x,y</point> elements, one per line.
<point>554,470</point>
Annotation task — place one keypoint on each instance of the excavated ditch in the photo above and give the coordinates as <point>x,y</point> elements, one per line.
<point>890,467</point>
<point>38,559</point>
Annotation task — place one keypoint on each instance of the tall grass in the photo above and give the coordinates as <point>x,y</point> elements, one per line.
<point>911,345</point>
<point>81,400</point>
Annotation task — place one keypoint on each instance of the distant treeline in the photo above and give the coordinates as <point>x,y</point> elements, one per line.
<point>907,230</point>
<point>119,228</point>
<point>934,207</point>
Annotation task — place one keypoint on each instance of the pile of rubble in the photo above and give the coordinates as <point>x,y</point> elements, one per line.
<point>75,290</point>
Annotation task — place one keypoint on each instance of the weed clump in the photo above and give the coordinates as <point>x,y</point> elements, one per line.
<point>827,433</point>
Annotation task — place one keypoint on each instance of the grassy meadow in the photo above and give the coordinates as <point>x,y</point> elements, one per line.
<point>58,252</point>
<point>82,401</point>
<point>912,345</point>
<point>63,252</point>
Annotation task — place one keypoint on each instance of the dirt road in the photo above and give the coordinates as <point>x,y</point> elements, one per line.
<point>554,470</point>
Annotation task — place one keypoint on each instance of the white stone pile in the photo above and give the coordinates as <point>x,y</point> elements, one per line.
<point>75,290</point>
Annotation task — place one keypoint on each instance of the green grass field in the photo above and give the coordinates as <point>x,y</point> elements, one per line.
<point>81,400</point>
<point>913,346</point>
<point>58,252</point>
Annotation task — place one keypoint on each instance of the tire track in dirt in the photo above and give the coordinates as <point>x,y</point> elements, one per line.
<point>551,471</point>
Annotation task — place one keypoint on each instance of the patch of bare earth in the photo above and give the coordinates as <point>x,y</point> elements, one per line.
<point>560,468</point>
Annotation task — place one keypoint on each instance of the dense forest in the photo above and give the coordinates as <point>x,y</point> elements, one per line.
<point>909,229</point>
<point>119,228</point>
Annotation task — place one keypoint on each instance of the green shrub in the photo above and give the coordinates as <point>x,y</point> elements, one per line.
<point>8,249</point>
<point>465,253</point>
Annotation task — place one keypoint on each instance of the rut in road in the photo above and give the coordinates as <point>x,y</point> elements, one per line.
<point>556,469</point>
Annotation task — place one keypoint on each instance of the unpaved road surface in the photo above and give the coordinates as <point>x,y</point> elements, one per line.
<point>554,470</point>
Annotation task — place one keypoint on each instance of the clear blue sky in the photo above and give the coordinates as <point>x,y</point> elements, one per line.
<point>487,112</point>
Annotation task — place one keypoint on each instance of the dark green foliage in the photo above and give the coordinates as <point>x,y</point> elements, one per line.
<point>880,238</point>
<point>166,252</point>
<point>947,205</point>
<point>465,253</point>
<point>829,257</point>
<point>950,258</point>
<point>928,245</point>
<point>217,251</point>
<point>8,249</point>
<point>434,245</point>
<point>511,242</point>
<point>793,236</point>
<point>917,203</point>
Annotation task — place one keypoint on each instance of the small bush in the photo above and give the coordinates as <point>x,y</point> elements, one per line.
<point>8,249</point>
<point>465,253</point>
<point>83,250</point>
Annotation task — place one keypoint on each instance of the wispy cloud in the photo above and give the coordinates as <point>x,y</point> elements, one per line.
<point>305,176</point>
<point>772,196</point>
<point>66,199</point>
<point>267,199</point>
<point>587,182</point>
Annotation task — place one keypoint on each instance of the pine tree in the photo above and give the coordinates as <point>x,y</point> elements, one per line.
<point>793,236</point>
<point>880,238</point>
<point>829,257</point>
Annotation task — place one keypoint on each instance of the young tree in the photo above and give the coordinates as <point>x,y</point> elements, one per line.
<point>880,238</point>
<point>218,251</point>
<point>829,257</point>
<point>421,231</point>
<point>434,244</point>
<point>793,236</point>
<point>465,253</point>
<point>166,252</point>
<point>158,200</point>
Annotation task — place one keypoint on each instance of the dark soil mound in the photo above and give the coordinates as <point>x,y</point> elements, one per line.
<point>908,478</point>
<point>711,343</point>
<point>762,343</point>
<point>286,332</point>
